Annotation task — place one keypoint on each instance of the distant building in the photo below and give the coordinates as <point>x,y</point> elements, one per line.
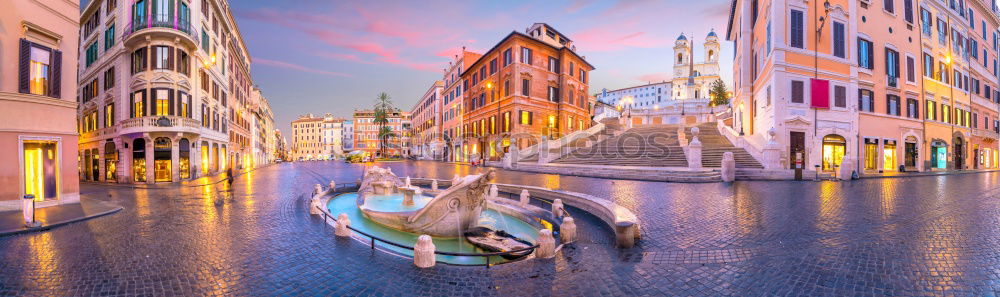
<point>317,138</point>
<point>366,133</point>
<point>685,98</point>
<point>426,140</point>
<point>348,141</point>
<point>38,131</point>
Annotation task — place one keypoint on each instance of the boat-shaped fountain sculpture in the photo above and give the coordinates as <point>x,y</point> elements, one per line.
<point>449,213</point>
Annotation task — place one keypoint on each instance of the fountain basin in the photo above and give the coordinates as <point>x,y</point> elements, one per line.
<point>492,217</point>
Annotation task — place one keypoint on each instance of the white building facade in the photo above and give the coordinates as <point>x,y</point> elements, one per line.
<point>153,89</point>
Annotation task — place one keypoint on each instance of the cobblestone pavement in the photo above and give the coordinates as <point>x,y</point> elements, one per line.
<point>932,235</point>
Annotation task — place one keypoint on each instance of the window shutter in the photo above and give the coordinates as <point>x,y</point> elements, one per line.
<point>170,57</point>
<point>131,106</point>
<point>55,82</point>
<point>797,91</point>
<point>23,71</point>
<point>170,103</point>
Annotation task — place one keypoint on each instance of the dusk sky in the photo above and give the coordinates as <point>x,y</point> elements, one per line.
<point>336,56</point>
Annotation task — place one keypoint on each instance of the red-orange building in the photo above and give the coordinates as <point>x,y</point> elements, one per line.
<point>531,83</point>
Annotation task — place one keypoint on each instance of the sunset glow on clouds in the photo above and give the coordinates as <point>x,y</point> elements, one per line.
<point>335,56</point>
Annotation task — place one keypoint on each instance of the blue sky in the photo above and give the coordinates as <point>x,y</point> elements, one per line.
<point>336,56</point>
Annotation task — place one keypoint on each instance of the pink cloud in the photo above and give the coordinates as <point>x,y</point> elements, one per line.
<point>286,65</point>
<point>576,5</point>
<point>654,77</point>
<point>344,57</point>
<point>606,39</point>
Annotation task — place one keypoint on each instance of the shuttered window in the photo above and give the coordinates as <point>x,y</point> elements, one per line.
<point>839,42</point>
<point>840,96</point>
<point>39,70</point>
<point>798,91</point>
<point>797,29</point>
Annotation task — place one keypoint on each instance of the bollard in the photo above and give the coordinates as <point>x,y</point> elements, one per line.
<point>493,192</point>
<point>423,252</point>
<point>341,228</point>
<point>524,198</point>
<point>625,234</point>
<point>314,206</point>
<point>728,167</point>
<point>434,185</point>
<point>546,245</point>
<point>28,209</point>
<point>567,231</point>
<point>558,210</point>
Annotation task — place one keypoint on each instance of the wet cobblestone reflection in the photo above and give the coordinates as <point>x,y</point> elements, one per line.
<point>904,236</point>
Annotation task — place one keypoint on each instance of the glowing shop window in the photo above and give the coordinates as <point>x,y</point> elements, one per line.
<point>833,151</point>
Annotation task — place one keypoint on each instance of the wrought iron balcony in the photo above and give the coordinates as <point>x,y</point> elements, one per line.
<point>159,22</point>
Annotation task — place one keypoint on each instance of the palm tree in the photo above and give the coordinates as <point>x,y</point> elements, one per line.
<point>384,134</point>
<point>383,106</point>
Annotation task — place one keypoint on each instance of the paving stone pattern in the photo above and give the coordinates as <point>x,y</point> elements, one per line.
<point>935,235</point>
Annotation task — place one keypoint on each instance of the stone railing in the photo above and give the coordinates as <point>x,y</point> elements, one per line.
<point>87,136</point>
<point>985,133</point>
<point>754,144</point>
<point>544,149</point>
<point>160,123</point>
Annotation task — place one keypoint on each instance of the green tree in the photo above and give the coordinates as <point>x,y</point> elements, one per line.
<point>383,107</point>
<point>719,93</point>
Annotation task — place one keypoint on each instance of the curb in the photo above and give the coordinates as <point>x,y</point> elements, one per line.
<point>23,230</point>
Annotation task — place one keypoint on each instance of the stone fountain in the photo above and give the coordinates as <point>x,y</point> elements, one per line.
<point>450,213</point>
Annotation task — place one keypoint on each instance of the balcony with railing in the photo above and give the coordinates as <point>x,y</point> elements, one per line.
<point>98,134</point>
<point>985,134</point>
<point>159,24</point>
<point>160,124</point>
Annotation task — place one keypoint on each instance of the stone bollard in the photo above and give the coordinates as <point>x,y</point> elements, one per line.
<point>317,190</point>
<point>558,210</point>
<point>567,231</point>
<point>694,153</point>
<point>314,206</point>
<point>728,167</point>
<point>493,192</point>
<point>525,198</point>
<point>546,245</point>
<point>625,234</point>
<point>341,227</point>
<point>434,184</point>
<point>423,252</point>
<point>681,137</point>
<point>333,185</point>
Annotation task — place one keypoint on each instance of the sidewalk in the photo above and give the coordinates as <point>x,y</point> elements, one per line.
<point>897,174</point>
<point>12,222</point>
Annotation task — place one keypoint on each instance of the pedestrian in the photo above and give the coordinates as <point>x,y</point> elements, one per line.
<point>229,176</point>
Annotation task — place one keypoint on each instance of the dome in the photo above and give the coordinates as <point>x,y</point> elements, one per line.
<point>682,37</point>
<point>712,33</point>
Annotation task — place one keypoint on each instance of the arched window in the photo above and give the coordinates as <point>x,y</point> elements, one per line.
<point>711,55</point>
<point>680,58</point>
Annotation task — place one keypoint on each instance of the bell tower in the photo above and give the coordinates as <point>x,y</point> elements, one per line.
<point>682,56</point>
